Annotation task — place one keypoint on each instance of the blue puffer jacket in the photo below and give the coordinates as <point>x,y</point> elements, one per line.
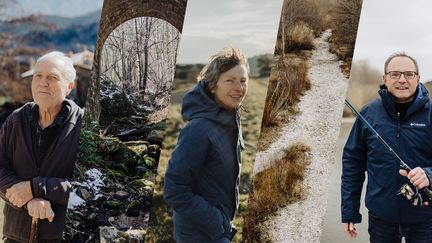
<point>410,137</point>
<point>202,179</point>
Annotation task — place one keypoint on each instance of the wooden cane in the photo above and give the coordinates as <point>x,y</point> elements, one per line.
<point>33,230</point>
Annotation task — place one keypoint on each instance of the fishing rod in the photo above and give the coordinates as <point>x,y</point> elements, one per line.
<point>405,190</point>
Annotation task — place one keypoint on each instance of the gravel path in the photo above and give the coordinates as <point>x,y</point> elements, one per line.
<point>318,126</point>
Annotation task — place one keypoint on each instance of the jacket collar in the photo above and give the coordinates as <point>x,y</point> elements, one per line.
<point>388,100</point>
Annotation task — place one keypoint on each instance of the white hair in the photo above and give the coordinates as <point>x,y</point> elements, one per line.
<point>69,72</point>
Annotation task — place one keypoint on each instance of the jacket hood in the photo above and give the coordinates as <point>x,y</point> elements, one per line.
<point>198,104</point>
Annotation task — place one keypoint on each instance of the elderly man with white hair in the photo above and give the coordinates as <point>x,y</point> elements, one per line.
<point>38,146</point>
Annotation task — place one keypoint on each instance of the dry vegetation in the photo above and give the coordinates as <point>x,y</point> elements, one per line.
<point>288,81</point>
<point>301,21</point>
<point>273,188</point>
<point>344,23</point>
<point>363,85</point>
<point>161,224</point>
<point>300,37</point>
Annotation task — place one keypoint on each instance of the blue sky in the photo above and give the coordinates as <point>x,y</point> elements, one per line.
<point>209,25</point>
<point>387,26</point>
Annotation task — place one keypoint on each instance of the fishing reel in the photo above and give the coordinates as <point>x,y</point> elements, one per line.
<point>412,195</point>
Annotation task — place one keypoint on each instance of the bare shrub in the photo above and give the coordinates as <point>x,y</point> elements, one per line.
<point>311,12</point>
<point>346,16</point>
<point>300,37</point>
<point>287,83</point>
<point>273,188</point>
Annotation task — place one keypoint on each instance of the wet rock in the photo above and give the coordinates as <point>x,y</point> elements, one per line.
<point>136,236</point>
<point>110,144</point>
<point>120,167</point>
<point>153,148</point>
<point>108,234</point>
<point>86,195</point>
<point>113,204</point>
<point>115,103</point>
<point>133,208</point>
<point>156,136</point>
<point>142,183</point>
<point>140,149</point>
<point>136,143</point>
<point>131,154</point>
<point>122,194</point>
<point>112,235</point>
<point>147,161</point>
<point>140,170</point>
<point>102,219</point>
<point>92,216</point>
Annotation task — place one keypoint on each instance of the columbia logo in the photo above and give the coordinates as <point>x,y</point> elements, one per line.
<point>413,124</point>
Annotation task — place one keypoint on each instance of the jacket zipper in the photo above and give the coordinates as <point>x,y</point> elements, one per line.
<point>398,125</point>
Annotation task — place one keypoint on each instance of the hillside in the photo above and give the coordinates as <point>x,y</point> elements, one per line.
<point>46,31</point>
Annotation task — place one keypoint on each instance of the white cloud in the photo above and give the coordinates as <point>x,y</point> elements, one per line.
<point>388,26</point>
<point>209,25</point>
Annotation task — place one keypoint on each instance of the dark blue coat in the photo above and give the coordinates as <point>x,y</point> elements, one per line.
<point>410,137</point>
<point>202,179</point>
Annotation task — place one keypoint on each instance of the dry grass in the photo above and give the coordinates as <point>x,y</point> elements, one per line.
<point>273,188</point>
<point>363,85</point>
<point>345,19</point>
<point>312,13</point>
<point>288,82</point>
<point>300,37</point>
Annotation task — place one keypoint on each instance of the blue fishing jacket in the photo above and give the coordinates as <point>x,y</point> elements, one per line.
<point>411,139</point>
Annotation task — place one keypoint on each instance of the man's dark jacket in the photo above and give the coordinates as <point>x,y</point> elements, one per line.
<point>202,179</point>
<point>50,181</point>
<point>410,137</point>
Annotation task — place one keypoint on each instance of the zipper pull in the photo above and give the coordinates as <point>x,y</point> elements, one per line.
<point>398,124</point>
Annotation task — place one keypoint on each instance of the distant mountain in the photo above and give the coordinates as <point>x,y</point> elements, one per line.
<point>63,33</point>
<point>64,22</point>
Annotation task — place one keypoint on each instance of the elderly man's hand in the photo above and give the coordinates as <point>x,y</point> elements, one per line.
<point>40,208</point>
<point>417,177</point>
<point>20,193</point>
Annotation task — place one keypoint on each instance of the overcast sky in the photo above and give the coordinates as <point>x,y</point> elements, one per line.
<point>66,8</point>
<point>387,26</point>
<point>250,25</point>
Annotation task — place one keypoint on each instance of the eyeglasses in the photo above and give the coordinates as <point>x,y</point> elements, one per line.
<point>409,75</point>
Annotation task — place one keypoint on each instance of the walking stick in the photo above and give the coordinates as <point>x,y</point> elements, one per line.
<point>33,230</point>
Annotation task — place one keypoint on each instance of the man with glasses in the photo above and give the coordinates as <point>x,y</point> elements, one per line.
<point>403,118</point>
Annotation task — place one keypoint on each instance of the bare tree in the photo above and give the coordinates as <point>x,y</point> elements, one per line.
<point>139,57</point>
